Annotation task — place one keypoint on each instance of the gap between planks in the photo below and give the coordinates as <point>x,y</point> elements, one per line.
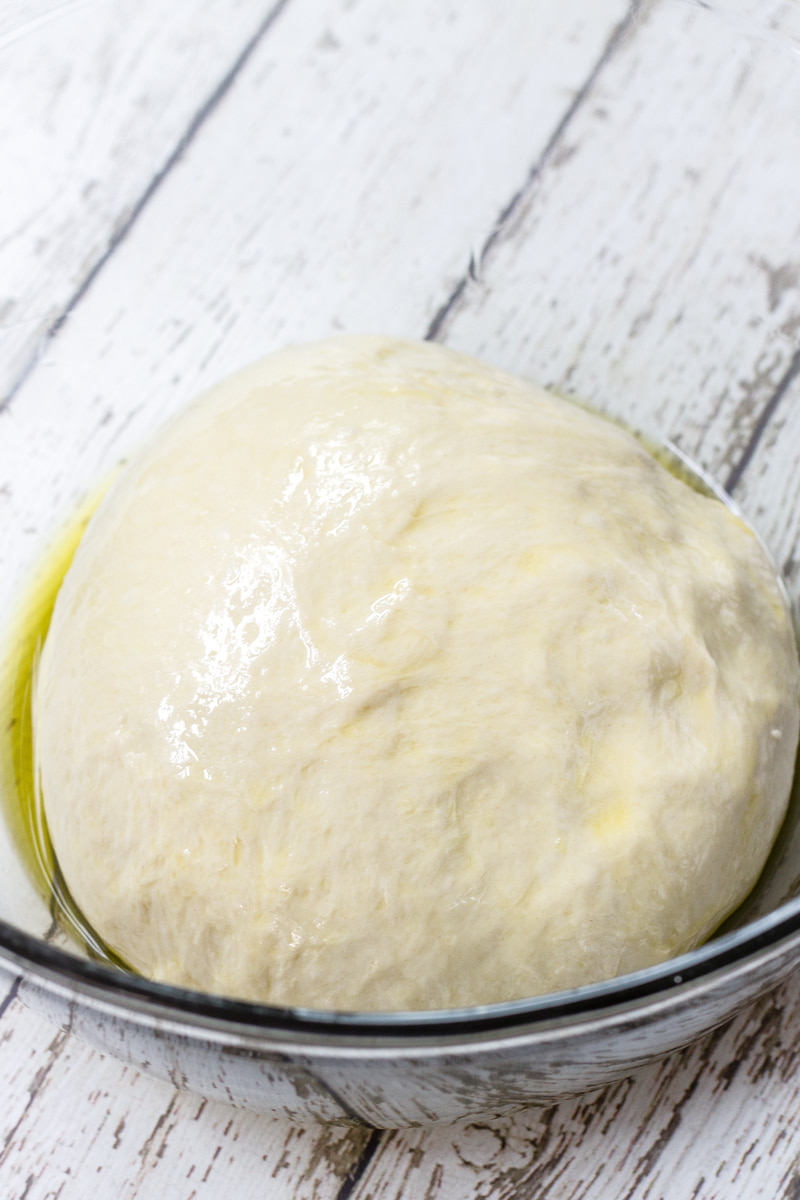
<point>201,116</point>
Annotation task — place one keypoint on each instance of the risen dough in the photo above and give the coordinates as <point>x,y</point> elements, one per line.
<point>385,680</point>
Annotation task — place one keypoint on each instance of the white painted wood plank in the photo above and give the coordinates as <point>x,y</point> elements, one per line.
<point>76,1124</point>
<point>673,300</point>
<point>94,97</point>
<point>721,1119</point>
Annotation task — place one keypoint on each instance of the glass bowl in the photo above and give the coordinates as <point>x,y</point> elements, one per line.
<point>599,195</point>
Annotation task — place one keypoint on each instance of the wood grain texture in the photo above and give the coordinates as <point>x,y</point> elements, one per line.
<point>677,306</point>
<point>719,1119</point>
<point>349,179</point>
<point>770,488</point>
<point>96,99</point>
<point>715,1121</point>
<point>77,1124</point>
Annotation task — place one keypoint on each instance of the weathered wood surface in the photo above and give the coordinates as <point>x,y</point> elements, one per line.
<point>96,100</point>
<point>721,1119</point>
<point>186,186</point>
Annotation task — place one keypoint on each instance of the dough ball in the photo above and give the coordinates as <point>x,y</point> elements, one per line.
<point>384,680</point>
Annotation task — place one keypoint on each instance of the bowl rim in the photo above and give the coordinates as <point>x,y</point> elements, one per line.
<point>128,993</point>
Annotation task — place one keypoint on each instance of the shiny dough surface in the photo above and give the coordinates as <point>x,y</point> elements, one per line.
<point>385,680</point>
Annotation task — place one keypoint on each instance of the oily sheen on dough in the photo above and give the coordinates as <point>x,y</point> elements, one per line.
<point>384,680</point>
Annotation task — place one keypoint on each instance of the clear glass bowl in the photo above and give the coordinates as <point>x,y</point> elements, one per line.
<point>600,196</point>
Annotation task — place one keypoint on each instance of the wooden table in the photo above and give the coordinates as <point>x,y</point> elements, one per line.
<point>187,185</point>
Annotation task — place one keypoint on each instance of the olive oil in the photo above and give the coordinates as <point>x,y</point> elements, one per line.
<point>18,779</point>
